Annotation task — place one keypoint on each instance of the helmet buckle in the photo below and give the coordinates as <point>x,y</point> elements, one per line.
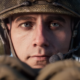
<point>27,3</point>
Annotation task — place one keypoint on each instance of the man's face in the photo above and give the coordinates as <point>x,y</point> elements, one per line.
<point>36,37</point>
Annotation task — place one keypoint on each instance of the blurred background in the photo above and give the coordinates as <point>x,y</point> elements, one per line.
<point>1,48</point>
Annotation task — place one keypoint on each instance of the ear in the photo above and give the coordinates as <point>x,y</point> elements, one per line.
<point>8,26</point>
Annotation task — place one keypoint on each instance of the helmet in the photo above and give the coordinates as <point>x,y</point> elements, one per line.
<point>67,7</point>
<point>10,7</point>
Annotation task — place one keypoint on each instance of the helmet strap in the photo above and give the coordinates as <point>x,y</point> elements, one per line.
<point>74,34</point>
<point>8,37</point>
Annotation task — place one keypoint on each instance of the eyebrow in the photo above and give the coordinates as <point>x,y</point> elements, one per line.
<point>59,18</point>
<point>26,18</point>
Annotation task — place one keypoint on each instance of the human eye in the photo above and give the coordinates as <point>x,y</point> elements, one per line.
<point>54,25</point>
<point>26,25</point>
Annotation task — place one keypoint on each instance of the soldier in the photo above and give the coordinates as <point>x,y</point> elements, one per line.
<point>35,31</point>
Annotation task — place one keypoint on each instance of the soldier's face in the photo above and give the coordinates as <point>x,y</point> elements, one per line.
<point>36,37</point>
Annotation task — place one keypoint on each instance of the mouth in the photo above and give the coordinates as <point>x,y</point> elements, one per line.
<point>40,58</point>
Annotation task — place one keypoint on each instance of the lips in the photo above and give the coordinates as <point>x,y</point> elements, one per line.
<point>44,57</point>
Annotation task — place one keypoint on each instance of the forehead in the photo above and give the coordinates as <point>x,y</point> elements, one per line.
<point>43,15</point>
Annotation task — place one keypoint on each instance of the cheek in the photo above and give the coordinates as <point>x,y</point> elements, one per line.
<point>63,40</point>
<point>21,42</point>
<point>64,36</point>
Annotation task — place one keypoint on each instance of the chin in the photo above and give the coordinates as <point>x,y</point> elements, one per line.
<point>38,66</point>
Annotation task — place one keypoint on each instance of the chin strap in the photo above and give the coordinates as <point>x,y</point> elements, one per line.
<point>7,40</point>
<point>74,34</point>
<point>61,56</point>
<point>71,51</point>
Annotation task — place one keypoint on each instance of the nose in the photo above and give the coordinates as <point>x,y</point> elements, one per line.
<point>40,35</point>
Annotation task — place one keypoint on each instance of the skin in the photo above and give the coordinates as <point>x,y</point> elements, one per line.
<point>36,37</point>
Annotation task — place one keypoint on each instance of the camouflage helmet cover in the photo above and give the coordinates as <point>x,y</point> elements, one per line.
<point>10,7</point>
